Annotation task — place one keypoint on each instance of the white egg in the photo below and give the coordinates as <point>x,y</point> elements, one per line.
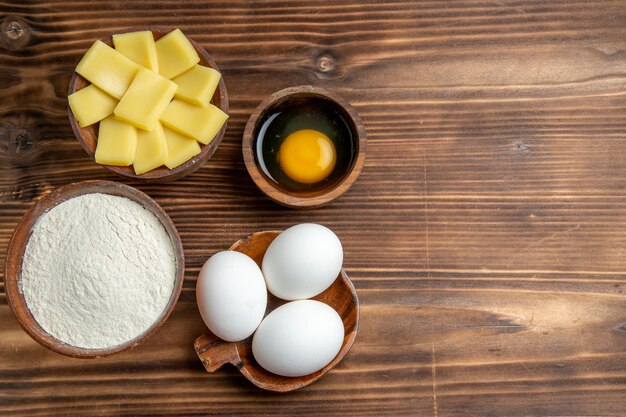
<point>298,338</point>
<point>302,261</point>
<point>231,295</point>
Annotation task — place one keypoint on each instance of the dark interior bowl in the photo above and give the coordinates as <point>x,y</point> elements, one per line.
<point>342,180</point>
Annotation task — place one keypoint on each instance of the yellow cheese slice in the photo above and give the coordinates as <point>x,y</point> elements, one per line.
<point>175,54</point>
<point>197,85</point>
<point>107,69</point>
<point>217,118</point>
<point>139,47</point>
<point>117,142</point>
<point>145,99</point>
<point>90,105</point>
<point>151,150</point>
<point>180,148</point>
<point>201,123</point>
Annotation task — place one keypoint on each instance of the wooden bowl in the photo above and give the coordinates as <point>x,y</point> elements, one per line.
<point>303,199</point>
<point>17,246</point>
<point>88,136</point>
<point>215,352</point>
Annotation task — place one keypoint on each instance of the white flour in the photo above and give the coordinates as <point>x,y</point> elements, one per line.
<point>98,271</point>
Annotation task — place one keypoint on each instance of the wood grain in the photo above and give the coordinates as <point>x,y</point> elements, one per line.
<point>485,235</point>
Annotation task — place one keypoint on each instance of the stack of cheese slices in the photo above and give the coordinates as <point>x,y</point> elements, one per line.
<point>152,100</point>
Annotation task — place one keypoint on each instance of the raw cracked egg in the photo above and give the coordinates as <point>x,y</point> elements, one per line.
<point>307,156</point>
<point>298,338</point>
<point>302,261</point>
<point>231,295</point>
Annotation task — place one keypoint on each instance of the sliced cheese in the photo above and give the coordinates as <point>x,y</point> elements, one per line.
<point>197,85</point>
<point>145,100</point>
<point>90,105</point>
<point>175,54</point>
<point>117,142</point>
<point>180,148</point>
<point>151,150</point>
<point>107,69</point>
<point>139,47</point>
<point>201,123</point>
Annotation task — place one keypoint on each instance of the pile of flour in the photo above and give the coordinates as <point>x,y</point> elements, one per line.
<point>98,271</point>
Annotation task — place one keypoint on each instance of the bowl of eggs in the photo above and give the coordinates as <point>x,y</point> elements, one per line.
<point>304,146</point>
<point>278,306</point>
<point>148,104</point>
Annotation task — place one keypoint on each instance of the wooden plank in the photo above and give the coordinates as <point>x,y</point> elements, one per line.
<point>485,235</point>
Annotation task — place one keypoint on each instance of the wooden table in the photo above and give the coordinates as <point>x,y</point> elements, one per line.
<point>486,235</point>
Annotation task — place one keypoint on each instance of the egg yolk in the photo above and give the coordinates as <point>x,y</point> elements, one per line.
<point>307,156</point>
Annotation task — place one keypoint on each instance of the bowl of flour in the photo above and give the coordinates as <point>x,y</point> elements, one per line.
<point>93,269</point>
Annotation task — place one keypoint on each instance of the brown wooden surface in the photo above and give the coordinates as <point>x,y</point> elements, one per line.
<point>486,234</point>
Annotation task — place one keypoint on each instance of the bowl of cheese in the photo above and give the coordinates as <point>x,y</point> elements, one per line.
<point>148,104</point>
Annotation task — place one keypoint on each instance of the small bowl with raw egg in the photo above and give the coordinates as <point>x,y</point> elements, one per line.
<point>148,104</point>
<point>304,146</point>
<point>278,306</point>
